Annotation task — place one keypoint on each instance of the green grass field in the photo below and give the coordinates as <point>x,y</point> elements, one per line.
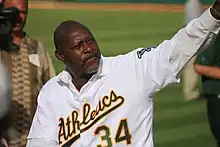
<point>177,123</point>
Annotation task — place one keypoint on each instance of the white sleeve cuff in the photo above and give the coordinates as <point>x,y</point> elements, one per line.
<point>209,22</point>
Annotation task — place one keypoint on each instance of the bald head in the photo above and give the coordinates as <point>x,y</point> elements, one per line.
<point>64,30</point>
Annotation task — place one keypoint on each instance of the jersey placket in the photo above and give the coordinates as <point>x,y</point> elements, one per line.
<point>80,98</point>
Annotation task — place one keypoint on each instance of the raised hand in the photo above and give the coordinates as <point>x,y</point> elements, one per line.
<point>215,9</point>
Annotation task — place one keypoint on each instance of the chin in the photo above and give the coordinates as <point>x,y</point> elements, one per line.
<point>92,71</point>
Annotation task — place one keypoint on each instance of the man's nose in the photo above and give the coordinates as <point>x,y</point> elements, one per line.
<point>87,48</point>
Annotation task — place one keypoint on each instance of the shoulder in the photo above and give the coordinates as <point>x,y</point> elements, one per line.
<point>34,44</point>
<point>144,50</point>
<point>128,61</point>
<point>137,53</point>
<point>31,41</point>
<point>50,90</point>
<point>52,83</point>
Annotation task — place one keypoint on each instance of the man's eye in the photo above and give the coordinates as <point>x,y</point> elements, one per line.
<point>90,40</point>
<point>77,46</point>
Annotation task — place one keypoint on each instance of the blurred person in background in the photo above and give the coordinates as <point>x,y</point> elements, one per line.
<point>5,101</point>
<point>193,9</point>
<point>207,65</point>
<point>30,67</point>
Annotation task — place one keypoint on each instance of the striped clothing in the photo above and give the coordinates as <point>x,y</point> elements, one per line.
<point>31,67</point>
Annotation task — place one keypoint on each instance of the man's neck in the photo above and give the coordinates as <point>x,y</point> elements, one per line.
<point>79,81</point>
<point>17,37</point>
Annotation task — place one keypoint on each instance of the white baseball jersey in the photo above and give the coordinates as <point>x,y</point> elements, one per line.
<point>115,107</point>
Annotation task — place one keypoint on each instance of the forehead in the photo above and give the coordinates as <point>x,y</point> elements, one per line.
<point>79,33</point>
<point>20,4</point>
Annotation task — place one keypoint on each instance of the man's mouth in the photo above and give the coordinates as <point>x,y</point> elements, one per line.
<point>91,61</point>
<point>90,57</point>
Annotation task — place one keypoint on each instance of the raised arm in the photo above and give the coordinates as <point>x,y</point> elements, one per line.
<point>164,63</point>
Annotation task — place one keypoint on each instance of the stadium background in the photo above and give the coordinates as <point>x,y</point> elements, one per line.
<point>121,26</point>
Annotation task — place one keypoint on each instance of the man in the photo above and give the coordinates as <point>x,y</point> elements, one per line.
<point>30,67</point>
<point>208,66</point>
<point>193,9</point>
<point>108,101</point>
<point>5,100</point>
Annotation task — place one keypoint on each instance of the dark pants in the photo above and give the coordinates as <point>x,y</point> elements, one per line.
<point>213,112</point>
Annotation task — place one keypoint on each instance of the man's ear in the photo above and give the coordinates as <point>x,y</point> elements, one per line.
<point>59,56</point>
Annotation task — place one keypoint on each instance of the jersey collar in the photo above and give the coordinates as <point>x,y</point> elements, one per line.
<point>103,70</point>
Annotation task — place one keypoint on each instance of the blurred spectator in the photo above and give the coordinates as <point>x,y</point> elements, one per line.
<point>207,65</point>
<point>30,67</point>
<point>5,91</point>
<point>5,100</point>
<point>193,9</point>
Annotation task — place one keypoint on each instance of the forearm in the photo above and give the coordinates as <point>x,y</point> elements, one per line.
<point>209,71</point>
<point>194,38</point>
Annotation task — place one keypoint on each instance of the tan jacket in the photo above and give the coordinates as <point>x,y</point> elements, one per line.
<point>31,67</point>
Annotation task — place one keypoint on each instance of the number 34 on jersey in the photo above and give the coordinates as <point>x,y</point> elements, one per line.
<point>122,134</point>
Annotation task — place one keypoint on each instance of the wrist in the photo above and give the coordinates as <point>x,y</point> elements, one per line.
<point>216,6</point>
<point>215,10</point>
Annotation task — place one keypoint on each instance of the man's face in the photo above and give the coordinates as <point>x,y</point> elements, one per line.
<point>21,5</point>
<point>80,52</point>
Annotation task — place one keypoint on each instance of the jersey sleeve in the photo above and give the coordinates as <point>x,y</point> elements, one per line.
<point>43,131</point>
<point>164,63</point>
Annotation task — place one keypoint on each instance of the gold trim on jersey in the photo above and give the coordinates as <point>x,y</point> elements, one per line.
<point>71,127</point>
